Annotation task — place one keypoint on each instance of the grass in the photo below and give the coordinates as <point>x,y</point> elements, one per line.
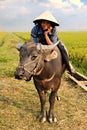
<point>19,107</point>
<point>19,101</point>
<point>25,36</point>
<point>76,43</point>
<point>9,55</point>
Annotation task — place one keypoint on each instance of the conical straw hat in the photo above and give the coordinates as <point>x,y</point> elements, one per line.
<point>46,16</point>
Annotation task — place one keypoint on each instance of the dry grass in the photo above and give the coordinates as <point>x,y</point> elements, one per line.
<point>19,107</point>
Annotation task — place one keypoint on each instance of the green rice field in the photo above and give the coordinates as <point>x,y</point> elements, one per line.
<point>76,43</point>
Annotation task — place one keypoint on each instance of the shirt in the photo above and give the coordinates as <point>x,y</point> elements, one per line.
<point>37,35</point>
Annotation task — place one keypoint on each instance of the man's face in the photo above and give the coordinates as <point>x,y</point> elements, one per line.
<point>45,24</point>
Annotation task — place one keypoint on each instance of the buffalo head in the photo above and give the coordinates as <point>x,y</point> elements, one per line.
<point>32,59</point>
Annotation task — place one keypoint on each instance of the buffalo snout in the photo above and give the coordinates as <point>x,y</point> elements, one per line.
<point>19,73</point>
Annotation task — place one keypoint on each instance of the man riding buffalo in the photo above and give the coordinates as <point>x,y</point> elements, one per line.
<point>42,60</point>
<point>44,32</point>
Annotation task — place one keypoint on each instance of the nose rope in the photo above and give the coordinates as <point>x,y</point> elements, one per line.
<point>46,80</point>
<point>23,67</point>
<point>33,72</point>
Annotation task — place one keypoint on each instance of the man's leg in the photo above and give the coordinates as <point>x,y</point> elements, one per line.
<point>66,58</point>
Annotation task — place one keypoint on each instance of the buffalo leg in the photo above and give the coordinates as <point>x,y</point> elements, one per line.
<point>42,96</point>
<point>51,116</point>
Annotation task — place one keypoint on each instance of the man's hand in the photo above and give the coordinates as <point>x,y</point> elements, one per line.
<point>49,42</point>
<point>47,31</point>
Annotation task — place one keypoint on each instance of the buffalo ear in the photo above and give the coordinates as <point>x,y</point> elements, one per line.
<point>18,47</point>
<point>51,56</point>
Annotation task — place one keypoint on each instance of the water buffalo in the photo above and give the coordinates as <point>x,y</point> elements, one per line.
<point>44,64</point>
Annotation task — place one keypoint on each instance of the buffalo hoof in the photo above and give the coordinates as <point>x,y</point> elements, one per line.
<point>57,98</point>
<point>51,120</point>
<point>42,118</point>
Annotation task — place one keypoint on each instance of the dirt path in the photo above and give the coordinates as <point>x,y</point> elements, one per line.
<point>19,107</point>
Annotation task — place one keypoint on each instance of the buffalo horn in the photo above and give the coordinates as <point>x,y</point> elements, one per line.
<point>18,47</point>
<point>47,47</point>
